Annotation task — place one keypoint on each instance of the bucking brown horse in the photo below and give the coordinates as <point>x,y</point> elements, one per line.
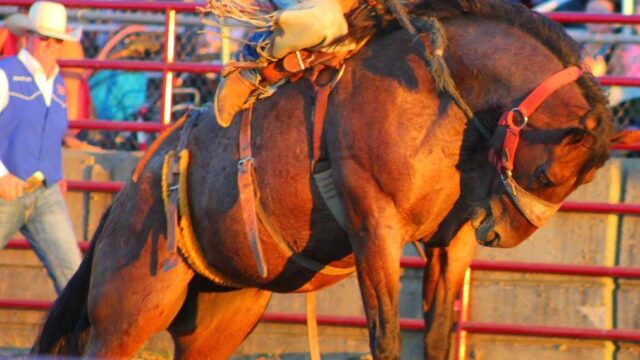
<point>415,154</point>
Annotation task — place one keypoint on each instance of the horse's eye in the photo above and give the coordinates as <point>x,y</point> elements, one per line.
<point>543,177</point>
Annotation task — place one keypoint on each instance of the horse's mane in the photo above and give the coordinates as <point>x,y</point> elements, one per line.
<point>553,37</point>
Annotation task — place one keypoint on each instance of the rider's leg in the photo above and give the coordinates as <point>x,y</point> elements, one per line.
<point>236,86</point>
<point>298,25</point>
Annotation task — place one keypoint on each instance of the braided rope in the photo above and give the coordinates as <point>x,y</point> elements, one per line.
<point>187,243</point>
<point>241,11</point>
<point>434,55</point>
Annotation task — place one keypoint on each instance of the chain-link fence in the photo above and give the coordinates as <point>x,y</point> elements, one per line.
<point>136,96</point>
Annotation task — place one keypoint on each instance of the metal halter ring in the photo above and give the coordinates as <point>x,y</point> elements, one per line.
<point>524,118</point>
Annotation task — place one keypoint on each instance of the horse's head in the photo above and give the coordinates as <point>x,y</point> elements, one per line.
<point>549,165</point>
<point>540,157</point>
<point>544,122</point>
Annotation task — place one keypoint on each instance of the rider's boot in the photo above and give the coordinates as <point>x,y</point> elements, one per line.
<point>232,94</point>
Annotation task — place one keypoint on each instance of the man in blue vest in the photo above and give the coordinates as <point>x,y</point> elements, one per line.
<point>33,122</point>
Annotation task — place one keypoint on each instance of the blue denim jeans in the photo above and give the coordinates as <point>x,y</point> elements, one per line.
<point>248,51</point>
<point>42,217</point>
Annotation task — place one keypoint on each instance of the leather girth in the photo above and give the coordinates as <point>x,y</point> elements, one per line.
<point>173,178</point>
<point>181,238</point>
<point>252,211</point>
<point>247,191</point>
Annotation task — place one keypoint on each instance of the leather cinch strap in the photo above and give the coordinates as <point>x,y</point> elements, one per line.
<point>173,179</point>
<point>247,191</point>
<point>253,212</point>
<point>321,102</point>
<point>319,114</point>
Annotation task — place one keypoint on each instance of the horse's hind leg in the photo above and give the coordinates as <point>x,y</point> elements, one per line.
<point>131,296</point>
<point>443,278</point>
<point>212,325</point>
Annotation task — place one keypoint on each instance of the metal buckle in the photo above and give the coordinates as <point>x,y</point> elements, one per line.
<point>243,161</point>
<point>300,62</point>
<point>507,181</point>
<point>338,76</point>
<point>522,116</point>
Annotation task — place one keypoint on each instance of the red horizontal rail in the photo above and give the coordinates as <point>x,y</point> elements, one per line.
<point>587,207</point>
<point>118,125</point>
<point>120,5</point>
<point>540,268</point>
<point>143,65</point>
<point>408,324</point>
<point>98,186</point>
<point>22,244</point>
<point>608,80</point>
<point>333,320</point>
<point>273,317</point>
<point>558,269</point>
<point>23,304</point>
<point>551,331</point>
<point>629,147</point>
<point>582,17</point>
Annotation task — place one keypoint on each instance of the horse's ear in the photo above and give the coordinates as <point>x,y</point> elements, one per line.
<point>626,137</point>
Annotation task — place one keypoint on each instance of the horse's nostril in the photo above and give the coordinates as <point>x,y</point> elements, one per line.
<point>493,238</point>
<point>485,233</point>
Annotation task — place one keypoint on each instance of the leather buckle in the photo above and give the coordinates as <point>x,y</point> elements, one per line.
<point>244,163</point>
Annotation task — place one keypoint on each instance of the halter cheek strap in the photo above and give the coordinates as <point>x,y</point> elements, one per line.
<point>516,119</point>
<point>534,209</point>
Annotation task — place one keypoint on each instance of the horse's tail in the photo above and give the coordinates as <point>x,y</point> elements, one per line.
<point>66,327</point>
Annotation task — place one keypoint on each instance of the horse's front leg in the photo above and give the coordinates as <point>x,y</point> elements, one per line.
<point>376,241</point>
<point>443,279</point>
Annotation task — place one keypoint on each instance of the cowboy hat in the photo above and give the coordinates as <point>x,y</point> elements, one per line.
<point>45,18</point>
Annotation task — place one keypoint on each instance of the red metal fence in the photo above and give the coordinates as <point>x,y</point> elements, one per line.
<point>168,67</point>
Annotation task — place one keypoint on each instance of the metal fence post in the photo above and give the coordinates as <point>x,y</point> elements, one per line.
<point>168,58</point>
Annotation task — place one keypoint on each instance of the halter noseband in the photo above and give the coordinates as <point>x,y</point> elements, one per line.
<point>536,210</point>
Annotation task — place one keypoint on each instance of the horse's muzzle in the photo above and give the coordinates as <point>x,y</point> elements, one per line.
<point>484,223</point>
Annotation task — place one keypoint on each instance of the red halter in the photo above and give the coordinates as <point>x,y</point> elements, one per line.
<point>516,119</point>
<point>534,209</point>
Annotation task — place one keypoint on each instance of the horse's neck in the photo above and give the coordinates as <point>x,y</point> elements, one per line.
<point>497,68</point>
<point>388,88</point>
